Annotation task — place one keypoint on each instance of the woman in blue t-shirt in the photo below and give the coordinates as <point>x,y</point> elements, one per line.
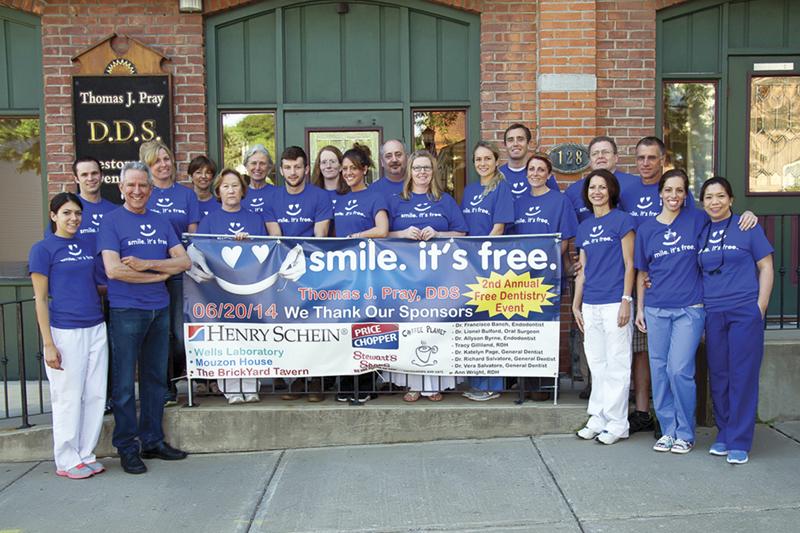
<point>602,306</point>
<point>358,211</point>
<point>488,207</point>
<point>74,337</point>
<point>737,282</point>
<point>671,310</point>
<point>233,220</point>
<point>421,212</point>
<point>180,206</point>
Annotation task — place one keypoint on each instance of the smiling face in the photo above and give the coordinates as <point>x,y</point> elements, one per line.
<point>135,190</point>
<point>673,194</point>
<point>230,192</point>
<point>201,179</point>
<point>258,168</point>
<point>67,219</point>
<point>294,173</point>
<point>516,146</point>
<point>598,191</point>
<point>89,177</point>
<point>717,203</point>
<point>394,160</point>
<point>421,175</point>
<point>485,164</point>
<point>603,156</point>
<point>352,175</point>
<point>329,165</point>
<point>537,176</point>
<point>162,169</point>
<point>649,162</point>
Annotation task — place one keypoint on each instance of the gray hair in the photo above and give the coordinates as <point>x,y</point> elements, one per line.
<point>135,165</point>
<point>257,148</point>
<point>380,150</point>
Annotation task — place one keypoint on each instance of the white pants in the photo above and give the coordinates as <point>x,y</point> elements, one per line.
<point>230,387</point>
<point>78,393</point>
<point>427,385</point>
<point>608,352</point>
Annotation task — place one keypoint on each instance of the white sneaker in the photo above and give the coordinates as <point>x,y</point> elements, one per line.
<point>236,399</point>
<point>664,444</point>
<point>482,396</point>
<point>586,433</point>
<point>606,438</point>
<point>251,398</point>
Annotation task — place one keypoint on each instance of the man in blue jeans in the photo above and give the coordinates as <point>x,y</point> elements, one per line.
<point>140,251</point>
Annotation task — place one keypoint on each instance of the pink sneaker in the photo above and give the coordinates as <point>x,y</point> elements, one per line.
<point>80,471</point>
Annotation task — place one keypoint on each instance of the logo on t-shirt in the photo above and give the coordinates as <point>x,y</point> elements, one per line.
<point>422,207</point>
<point>478,198</point>
<point>235,227</point>
<point>164,202</point>
<point>533,211</point>
<point>146,230</point>
<point>96,218</point>
<point>671,238</point>
<point>519,187</point>
<point>293,210</point>
<point>352,204</point>
<point>596,231</point>
<point>714,239</point>
<point>257,203</point>
<point>644,202</point>
<point>74,249</point>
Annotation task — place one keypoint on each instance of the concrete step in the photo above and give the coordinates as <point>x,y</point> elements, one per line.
<point>274,424</point>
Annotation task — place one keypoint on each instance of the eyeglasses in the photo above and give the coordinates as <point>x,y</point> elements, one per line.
<point>422,168</point>
<point>717,270</point>
<point>604,153</point>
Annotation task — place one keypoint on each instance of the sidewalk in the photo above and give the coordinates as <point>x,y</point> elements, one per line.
<point>540,484</point>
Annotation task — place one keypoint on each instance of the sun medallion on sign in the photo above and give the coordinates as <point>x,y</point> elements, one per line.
<point>120,66</point>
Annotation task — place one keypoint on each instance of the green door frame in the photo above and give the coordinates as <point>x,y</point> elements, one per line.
<point>405,105</point>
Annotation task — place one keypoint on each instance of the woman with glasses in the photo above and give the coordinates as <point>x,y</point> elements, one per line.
<point>602,306</point>
<point>488,207</point>
<point>422,189</point>
<point>327,169</point>
<point>180,206</point>
<point>737,282</point>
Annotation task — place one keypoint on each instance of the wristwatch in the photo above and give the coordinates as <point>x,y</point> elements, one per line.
<point>628,299</point>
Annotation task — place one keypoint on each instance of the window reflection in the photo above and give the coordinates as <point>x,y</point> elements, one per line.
<point>444,134</point>
<point>240,131</point>
<point>774,134</point>
<point>344,140</point>
<point>690,129</point>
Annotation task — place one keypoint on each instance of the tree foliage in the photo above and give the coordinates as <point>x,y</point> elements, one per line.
<point>20,143</point>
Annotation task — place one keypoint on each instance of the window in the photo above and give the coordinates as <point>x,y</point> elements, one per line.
<point>690,129</point>
<point>444,134</point>
<point>243,129</point>
<point>344,140</point>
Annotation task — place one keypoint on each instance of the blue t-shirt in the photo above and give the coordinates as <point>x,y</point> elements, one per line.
<point>178,204</point>
<point>257,199</point>
<point>736,284</point>
<point>223,222</point>
<point>92,216</point>
<point>72,281</point>
<point>209,206</point>
<point>669,254</point>
<point>548,213</point>
<point>601,240</point>
<point>146,236</point>
<point>518,179</point>
<point>421,212</point>
<point>643,201</point>
<point>387,187</point>
<point>356,211</point>
<point>297,213</point>
<point>483,212</point>
<point>575,193</point>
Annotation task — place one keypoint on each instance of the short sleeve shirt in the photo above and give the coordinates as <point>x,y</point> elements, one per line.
<point>601,241</point>
<point>297,213</point>
<point>420,211</point>
<point>548,213</point>
<point>356,211</point>
<point>178,204</point>
<point>483,212</point>
<point>221,222</point>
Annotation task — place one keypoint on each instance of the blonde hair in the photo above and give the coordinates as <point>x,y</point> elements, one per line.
<point>435,189</point>
<point>498,176</point>
<point>148,154</point>
<point>218,182</point>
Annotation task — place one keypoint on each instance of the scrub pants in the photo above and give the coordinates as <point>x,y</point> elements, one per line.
<point>673,335</point>
<point>608,352</point>
<point>734,349</point>
<point>78,393</point>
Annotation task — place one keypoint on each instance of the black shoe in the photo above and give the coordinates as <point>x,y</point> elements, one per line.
<point>641,421</point>
<point>132,463</point>
<point>657,433</point>
<point>170,399</point>
<point>164,451</point>
<point>585,393</point>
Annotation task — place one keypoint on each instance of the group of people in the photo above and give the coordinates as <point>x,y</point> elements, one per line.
<point>697,270</point>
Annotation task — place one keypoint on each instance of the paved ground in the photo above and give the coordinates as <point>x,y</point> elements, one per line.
<point>539,484</point>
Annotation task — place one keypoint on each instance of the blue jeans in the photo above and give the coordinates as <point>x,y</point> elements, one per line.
<point>177,352</point>
<point>143,336</point>
<point>672,336</point>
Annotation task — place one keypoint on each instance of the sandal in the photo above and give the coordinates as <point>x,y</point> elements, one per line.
<point>201,388</point>
<point>213,388</point>
<point>436,397</point>
<point>412,396</point>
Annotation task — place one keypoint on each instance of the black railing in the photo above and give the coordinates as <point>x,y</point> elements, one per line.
<point>784,233</point>
<point>12,314</point>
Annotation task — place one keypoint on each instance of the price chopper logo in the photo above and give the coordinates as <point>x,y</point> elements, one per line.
<point>379,336</point>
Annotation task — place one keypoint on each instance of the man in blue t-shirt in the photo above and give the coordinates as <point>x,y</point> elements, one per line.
<point>394,158</point>
<point>517,139</point>
<point>298,209</point>
<point>140,251</point>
